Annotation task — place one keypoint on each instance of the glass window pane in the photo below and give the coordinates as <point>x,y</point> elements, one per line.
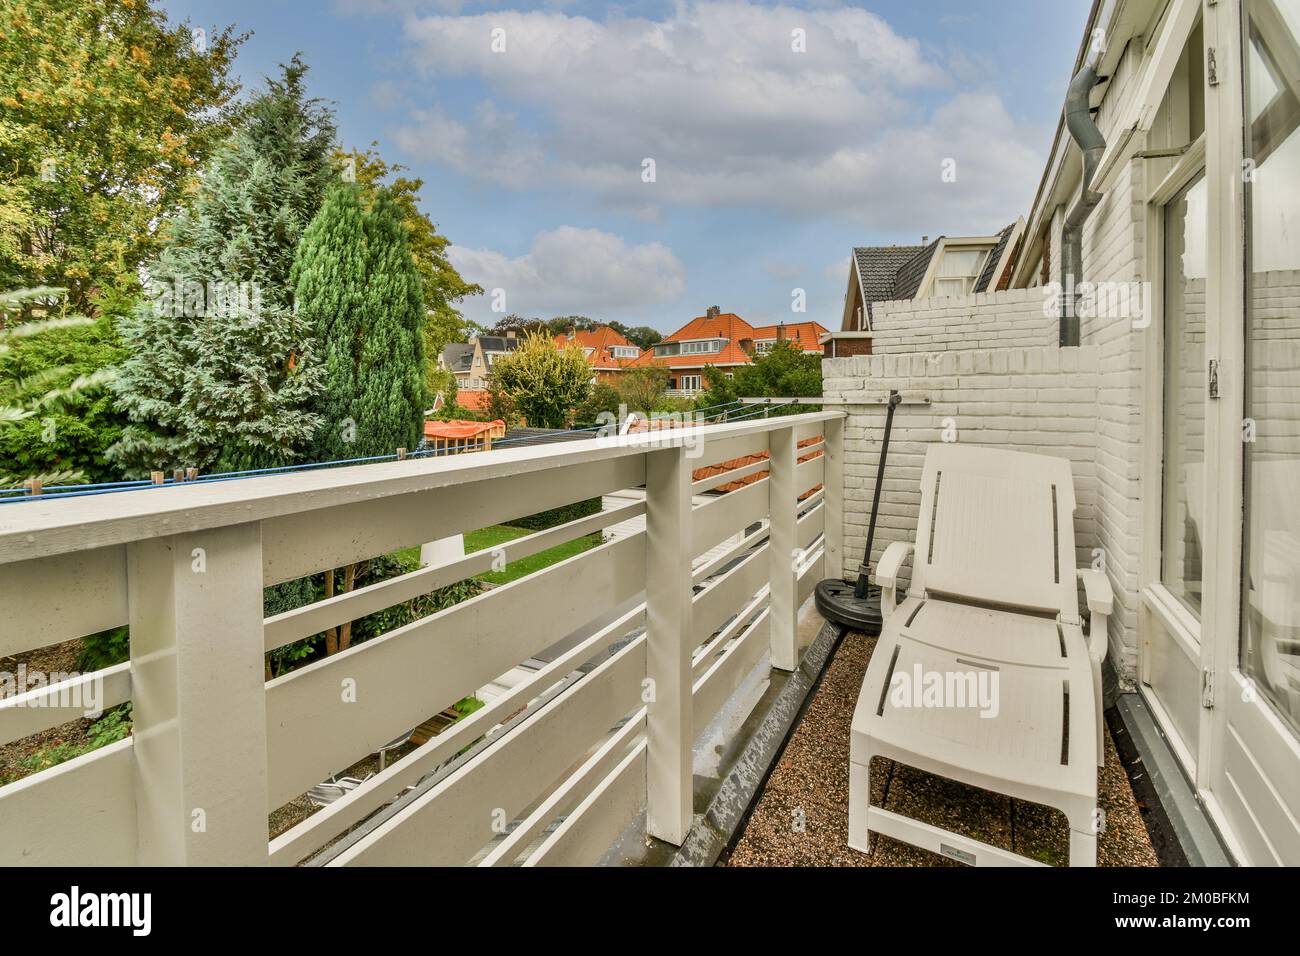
<point>1270,627</point>
<point>1183,520</point>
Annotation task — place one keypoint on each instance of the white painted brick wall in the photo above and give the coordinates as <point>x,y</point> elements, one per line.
<point>987,320</point>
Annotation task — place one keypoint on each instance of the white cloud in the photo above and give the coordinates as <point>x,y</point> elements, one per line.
<point>572,271</point>
<point>730,113</point>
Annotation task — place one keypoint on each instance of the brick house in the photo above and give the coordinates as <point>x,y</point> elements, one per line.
<point>949,266</point>
<point>608,352</point>
<point>723,340</point>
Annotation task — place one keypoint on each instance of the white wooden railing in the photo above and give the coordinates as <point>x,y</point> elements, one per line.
<point>601,731</point>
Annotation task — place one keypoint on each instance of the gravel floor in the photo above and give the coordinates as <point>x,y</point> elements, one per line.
<point>801,818</point>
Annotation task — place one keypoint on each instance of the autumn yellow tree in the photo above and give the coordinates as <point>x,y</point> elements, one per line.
<point>107,110</point>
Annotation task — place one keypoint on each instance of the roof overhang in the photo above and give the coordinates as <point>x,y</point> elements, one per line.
<point>1127,136</point>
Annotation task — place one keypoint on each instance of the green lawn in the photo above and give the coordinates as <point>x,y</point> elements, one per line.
<point>498,534</point>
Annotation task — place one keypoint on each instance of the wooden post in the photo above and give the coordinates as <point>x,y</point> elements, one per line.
<point>668,652</point>
<point>782,577</point>
<point>191,474</point>
<point>34,486</point>
<point>158,477</point>
<point>401,454</point>
<point>834,499</point>
<point>197,683</point>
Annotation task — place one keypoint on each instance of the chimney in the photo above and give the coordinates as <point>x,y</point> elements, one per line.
<point>510,334</point>
<point>713,312</point>
<point>780,331</point>
<point>925,240</point>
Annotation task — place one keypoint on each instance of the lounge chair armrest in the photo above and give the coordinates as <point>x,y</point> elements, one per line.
<point>1101,602</point>
<point>1097,589</point>
<point>891,562</point>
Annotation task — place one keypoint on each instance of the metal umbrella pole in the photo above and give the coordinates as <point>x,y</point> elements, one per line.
<point>857,606</point>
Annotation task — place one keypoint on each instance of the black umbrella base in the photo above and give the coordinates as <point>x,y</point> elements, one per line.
<point>836,602</point>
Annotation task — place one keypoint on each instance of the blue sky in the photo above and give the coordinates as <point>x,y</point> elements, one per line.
<point>781,134</point>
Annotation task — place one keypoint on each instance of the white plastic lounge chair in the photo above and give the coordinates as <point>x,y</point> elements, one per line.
<point>993,592</point>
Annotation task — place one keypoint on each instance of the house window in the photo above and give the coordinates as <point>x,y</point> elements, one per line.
<point>624,351</point>
<point>689,383</point>
<point>1184,472</point>
<point>765,346</point>
<point>696,348</point>
<point>1270,604</point>
<point>959,270</point>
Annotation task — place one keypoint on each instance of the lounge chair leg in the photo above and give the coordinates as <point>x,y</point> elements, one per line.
<point>859,801</point>
<point>1083,848</point>
<point>1101,721</point>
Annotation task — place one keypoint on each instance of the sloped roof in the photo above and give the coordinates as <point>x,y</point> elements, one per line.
<point>473,399</point>
<point>991,263</point>
<point>878,268</point>
<point>497,343</point>
<point>601,341</point>
<point>457,356</point>
<point>910,275</point>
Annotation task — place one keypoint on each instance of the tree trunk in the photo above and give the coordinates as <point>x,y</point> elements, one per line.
<point>349,580</point>
<point>331,635</point>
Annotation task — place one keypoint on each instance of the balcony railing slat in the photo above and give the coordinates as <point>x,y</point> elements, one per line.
<point>314,618</point>
<point>589,831</point>
<point>79,813</point>
<point>719,681</point>
<point>300,544</point>
<point>577,787</point>
<point>722,598</point>
<point>313,833</point>
<point>54,599</point>
<point>705,656</point>
<point>462,813</point>
<point>718,520</point>
<point>403,677</point>
<point>25,714</point>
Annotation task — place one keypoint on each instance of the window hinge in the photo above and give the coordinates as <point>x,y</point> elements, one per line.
<point>1211,68</point>
<point>1207,688</point>
<point>1213,384</point>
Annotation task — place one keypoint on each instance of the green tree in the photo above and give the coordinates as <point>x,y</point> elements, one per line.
<point>640,335</point>
<point>220,374</point>
<point>55,415</point>
<point>106,112</point>
<point>544,383</point>
<point>442,284</point>
<point>784,372</point>
<point>358,289</point>
<point>642,389</point>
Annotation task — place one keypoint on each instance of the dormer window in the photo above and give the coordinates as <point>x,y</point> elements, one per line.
<point>958,271</point>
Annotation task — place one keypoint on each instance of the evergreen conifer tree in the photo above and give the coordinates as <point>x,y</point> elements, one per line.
<point>358,288</point>
<point>221,374</point>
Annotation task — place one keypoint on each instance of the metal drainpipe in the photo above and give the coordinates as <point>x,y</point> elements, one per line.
<point>1084,132</point>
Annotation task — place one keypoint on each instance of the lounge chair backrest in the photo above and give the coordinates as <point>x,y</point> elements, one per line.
<point>997,527</point>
